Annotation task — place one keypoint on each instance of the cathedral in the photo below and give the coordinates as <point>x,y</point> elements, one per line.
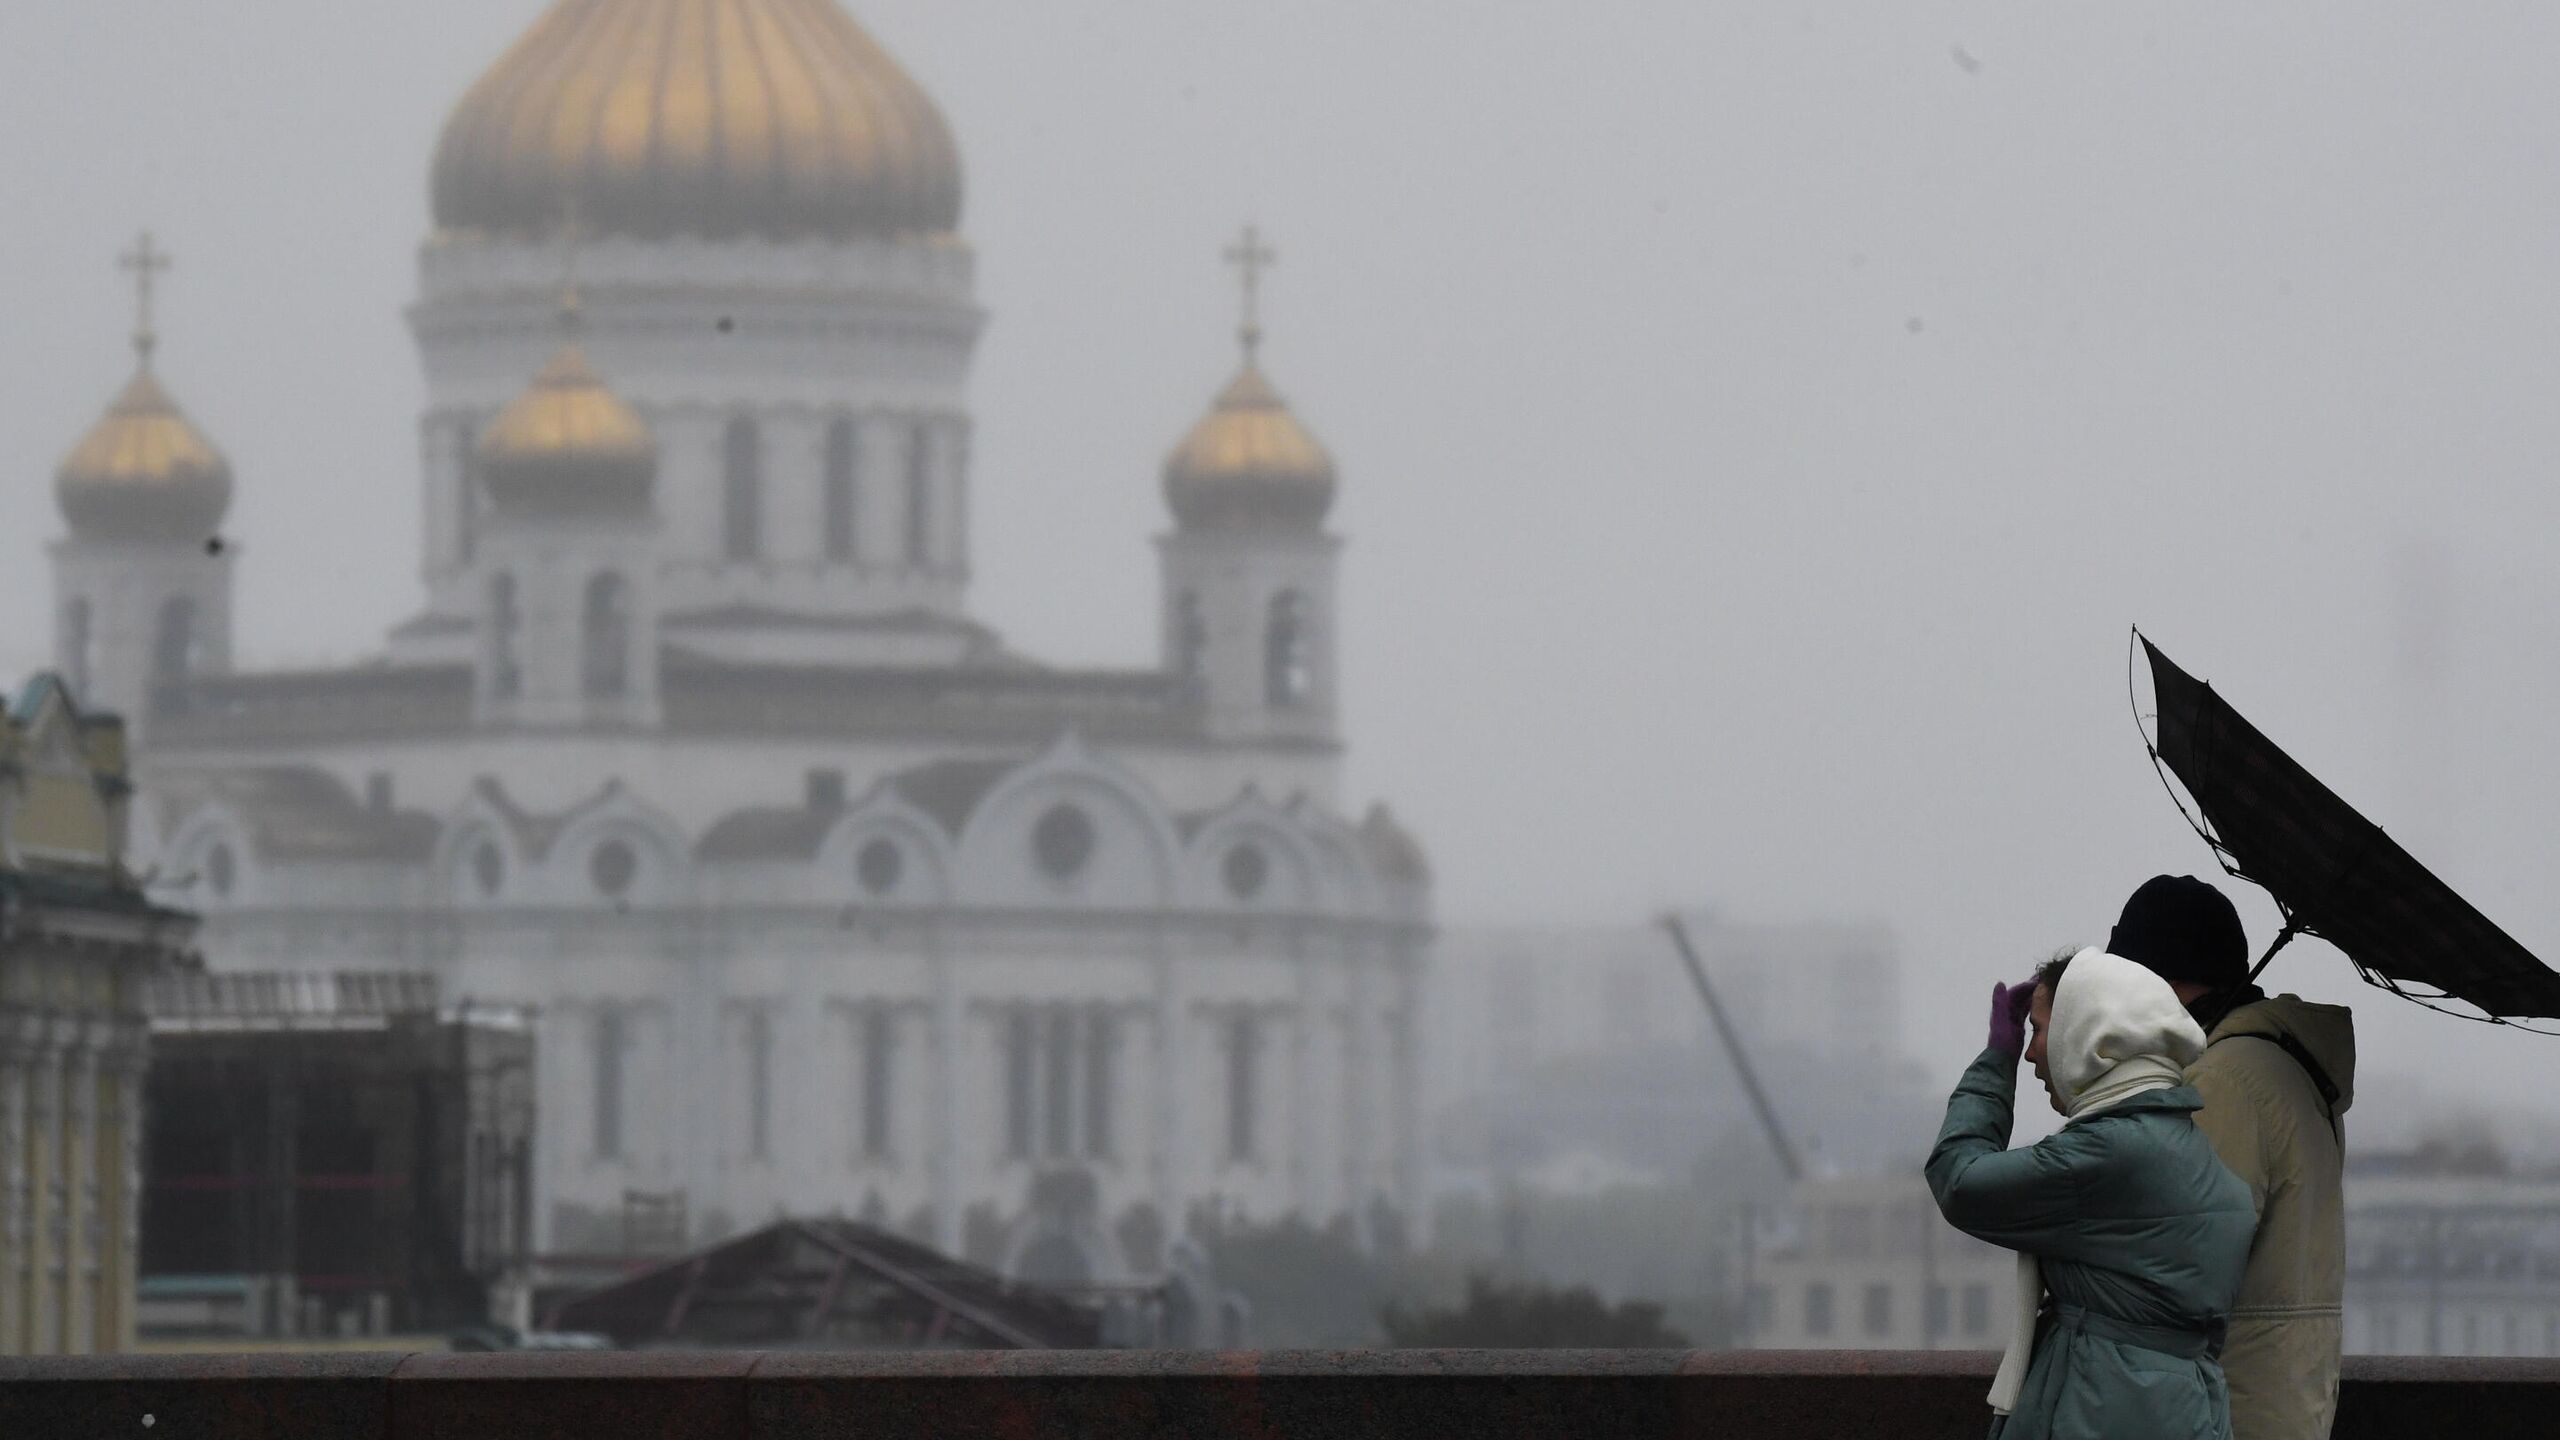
<point>828,901</point>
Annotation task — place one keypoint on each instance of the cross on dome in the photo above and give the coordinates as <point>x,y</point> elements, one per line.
<point>1249,255</point>
<point>144,261</point>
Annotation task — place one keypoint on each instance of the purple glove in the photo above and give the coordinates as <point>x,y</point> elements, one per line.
<point>2009,1007</point>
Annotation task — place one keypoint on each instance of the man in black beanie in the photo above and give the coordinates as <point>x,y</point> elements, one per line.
<point>2276,1074</point>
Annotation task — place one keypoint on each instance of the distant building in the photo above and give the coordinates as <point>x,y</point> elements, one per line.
<point>1582,1056</point>
<point>2448,1263</point>
<point>1869,1264</point>
<point>827,896</point>
<point>78,942</point>
<point>332,1155</point>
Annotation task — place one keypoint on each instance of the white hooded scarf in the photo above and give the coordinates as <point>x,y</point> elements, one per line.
<point>2116,1031</point>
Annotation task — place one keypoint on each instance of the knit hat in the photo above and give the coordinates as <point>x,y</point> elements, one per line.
<point>2182,930</point>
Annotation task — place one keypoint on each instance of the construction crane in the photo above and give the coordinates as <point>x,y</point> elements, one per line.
<point>1760,1105</point>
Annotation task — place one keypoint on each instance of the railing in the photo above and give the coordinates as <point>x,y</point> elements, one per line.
<point>1020,1395</point>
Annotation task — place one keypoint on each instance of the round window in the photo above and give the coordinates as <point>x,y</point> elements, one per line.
<point>221,871</point>
<point>611,865</point>
<point>1062,841</point>
<point>1247,871</point>
<point>488,868</point>
<point>879,865</point>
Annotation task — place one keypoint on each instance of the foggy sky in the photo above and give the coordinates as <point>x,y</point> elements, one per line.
<point>1757,431</point>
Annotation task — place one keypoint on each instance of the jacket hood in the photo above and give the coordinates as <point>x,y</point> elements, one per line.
<point>2328,1032</point>
<point>2107,1010</point>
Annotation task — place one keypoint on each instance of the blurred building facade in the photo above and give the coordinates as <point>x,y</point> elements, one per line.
<point>79,940</point>
<point>1574,1058</point>
<point>2451,1259</point>
<point>1869,1264</point>
<point>332,1155</point>
<point>830,901</point>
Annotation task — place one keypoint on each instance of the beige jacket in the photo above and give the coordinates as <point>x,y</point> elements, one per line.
<point>2268,1123</point>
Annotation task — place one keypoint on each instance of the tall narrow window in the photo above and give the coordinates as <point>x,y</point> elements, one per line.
<point>75,646</point>
<point>609,1045</point>
<point>920,495</point>
<point>1101,1043</point>
<point>842,483</point>
<point>877,1037</point>
<point>506,672</point>
<point>741,491</point>
<point>176,648</point>
<point>466,488</point>
<point>1058,1111</point>
<point>1244,1061</point>
<point>1284,652</point>
<point>605,659</point>
<point>1020,1040</point>
<point>1190,636</point>
<point>759,1047</point>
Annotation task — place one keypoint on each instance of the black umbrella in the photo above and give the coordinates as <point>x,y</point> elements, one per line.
<point>2333,873</point>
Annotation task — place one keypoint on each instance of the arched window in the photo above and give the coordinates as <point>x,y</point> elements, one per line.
<point>1285,673</point>
<point>1190,636</point>
<point>741,491</point>
<point>759,1058</point>
<point>879,1034</point>
<point>842,480</point>
<point>506,671</point>
<point>920,495</point>
<point>466,487</point>
<point>177,646</point>
<point>1244,1064</point>
<point>1021,1041</point>
<point>609,1040</point>
<point>76,643</point>
<point>605,657</point>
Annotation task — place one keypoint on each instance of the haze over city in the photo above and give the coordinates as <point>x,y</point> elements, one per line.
<point>1757,432</point>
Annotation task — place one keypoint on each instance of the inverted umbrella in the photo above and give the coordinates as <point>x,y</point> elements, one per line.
<point>2332,872</point>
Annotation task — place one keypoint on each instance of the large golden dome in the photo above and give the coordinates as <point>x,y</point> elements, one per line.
<point>1249,462</point>
<point>567,445</point>
<point>144,471</point>
<point>697,117</point>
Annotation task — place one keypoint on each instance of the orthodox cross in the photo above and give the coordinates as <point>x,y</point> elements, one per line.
<point>1249,255</point>
<point>145,260</point>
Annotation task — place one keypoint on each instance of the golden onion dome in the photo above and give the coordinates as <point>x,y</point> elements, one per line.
<point>144,471</point>
<point>698,117</point>
<point>567,445</point>
<point>1249,462</point>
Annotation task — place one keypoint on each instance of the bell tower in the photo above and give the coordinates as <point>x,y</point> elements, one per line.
<point>142,581</point>
<point>1248,568</point>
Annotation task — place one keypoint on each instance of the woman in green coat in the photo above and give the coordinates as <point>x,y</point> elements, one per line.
<point>2131,1236</point>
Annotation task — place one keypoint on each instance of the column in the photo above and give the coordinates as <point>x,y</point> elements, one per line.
<point>879,517</point>
<point>1404,1056</point>
<point>1172,1083</point>
<point>120,1160</point>
<point>81,1230</point>
<point>15,1226</point>
<point>943,1139</point>
<point>42,1332</point>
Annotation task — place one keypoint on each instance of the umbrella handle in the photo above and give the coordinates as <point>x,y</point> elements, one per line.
<point>2283,938</point>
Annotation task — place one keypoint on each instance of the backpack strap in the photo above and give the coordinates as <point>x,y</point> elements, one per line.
<point>2301,1054</point>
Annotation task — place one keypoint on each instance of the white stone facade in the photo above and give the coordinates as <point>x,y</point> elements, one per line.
<point>828,901</point>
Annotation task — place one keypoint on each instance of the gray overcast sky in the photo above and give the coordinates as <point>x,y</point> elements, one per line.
<point>1758,430</point>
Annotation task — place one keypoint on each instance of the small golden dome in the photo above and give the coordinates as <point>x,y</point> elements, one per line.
<point>1249,462</point>
<point>144,472</point>
<point>567,444</point>
<point>698,117</point>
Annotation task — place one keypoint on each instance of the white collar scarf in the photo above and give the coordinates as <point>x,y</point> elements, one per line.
<point>2114,1000</point>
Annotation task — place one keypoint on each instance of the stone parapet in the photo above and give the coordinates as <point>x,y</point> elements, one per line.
<point>1275,1395</point>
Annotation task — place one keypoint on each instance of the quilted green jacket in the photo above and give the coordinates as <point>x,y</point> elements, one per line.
<point>2143,1236</point>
